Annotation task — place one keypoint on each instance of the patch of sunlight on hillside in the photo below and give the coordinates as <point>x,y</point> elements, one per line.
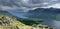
<point>8,27</point>
<point>28,27</point>
<point>17,23</point>
<point>14,22</point>
<point>1,16</point>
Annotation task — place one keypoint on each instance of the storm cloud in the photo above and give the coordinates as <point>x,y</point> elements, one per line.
<point>26,4</point>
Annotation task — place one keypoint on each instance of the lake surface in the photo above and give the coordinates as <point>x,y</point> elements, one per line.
<point>53,23</point>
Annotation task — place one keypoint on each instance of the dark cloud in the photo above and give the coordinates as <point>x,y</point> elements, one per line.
<point>28,4</point>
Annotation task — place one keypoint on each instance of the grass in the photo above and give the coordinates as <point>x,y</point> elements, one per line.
<point>17,23</point>
<point>13,25</point>
<point>31,21</point>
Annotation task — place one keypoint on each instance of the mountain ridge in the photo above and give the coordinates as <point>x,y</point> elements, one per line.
<point>43,13</point>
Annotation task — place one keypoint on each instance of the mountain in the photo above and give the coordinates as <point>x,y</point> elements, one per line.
<point>44,13</point>
<point>18,13</point>
<point>9,21</point>
<point>17,21</point>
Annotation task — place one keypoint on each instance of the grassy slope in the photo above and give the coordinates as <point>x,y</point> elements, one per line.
<point>31,21</point>
<point>15,23</point>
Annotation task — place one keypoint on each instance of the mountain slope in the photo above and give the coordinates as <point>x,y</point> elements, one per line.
<point>6,21</point>
<point>45,13</point>
<point>9,21</point>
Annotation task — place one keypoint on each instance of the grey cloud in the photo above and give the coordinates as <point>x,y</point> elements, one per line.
<point>40,3</point>
<point>28,4</point>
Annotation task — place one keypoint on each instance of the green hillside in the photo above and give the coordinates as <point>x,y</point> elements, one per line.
<point>9,22</point>
<point>31,21</point>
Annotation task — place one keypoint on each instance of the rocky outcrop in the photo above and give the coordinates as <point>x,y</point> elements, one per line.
<point>7,22</point>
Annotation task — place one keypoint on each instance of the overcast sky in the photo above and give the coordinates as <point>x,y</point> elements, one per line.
<point>28,4</point>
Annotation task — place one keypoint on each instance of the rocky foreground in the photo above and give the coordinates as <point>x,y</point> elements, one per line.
<point>7,22</point>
